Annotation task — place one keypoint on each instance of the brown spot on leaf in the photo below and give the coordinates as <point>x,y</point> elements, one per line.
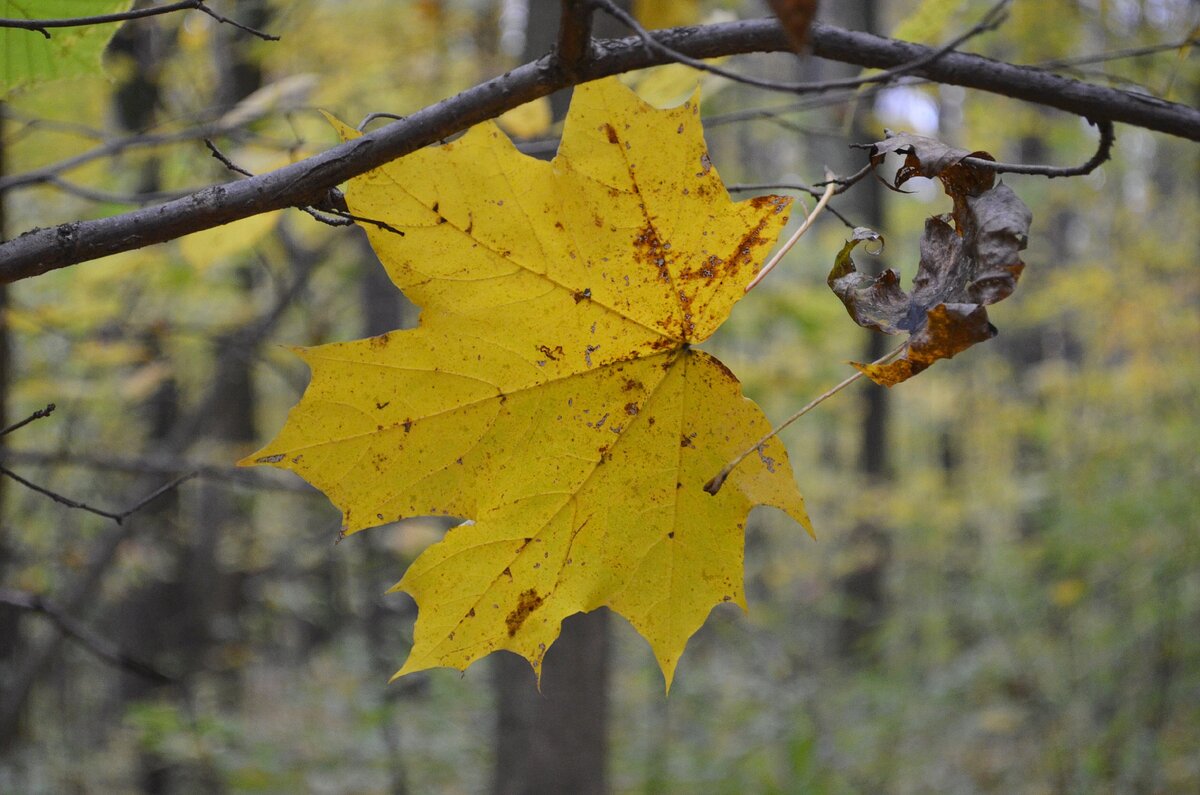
<point>380,341</point>
<point>631,409</point>
<point>610,132</point>
<point>383,405</point>
<point>552,354</point>
<point>582,295</point>
<point>779,203</point>
<point>526,604</point>
<point>269,459</point>
<point>744,253</point>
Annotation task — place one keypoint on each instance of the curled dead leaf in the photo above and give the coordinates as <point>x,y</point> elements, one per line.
<point>969,259</point>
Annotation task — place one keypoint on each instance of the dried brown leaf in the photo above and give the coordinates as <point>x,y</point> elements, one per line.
<point>969,259</point>
<point>796,17</point>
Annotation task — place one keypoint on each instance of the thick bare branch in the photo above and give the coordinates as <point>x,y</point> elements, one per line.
<point>307,181</point>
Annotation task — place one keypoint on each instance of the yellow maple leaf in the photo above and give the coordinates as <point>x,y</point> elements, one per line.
<point>551,393</point>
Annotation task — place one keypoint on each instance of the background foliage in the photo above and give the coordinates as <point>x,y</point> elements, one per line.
<point>1011,606</point>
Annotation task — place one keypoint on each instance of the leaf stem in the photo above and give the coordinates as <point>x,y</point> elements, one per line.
<point>714,485</point>
<point>830,188</point>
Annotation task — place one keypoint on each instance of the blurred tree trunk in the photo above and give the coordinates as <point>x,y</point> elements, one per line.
<point>9,616</point>
<point>384,309</point>
<point>192,615</point>
<point>867,547</point>
<point>555,740</point>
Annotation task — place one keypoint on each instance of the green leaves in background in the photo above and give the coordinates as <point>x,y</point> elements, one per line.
<point>28,57</point>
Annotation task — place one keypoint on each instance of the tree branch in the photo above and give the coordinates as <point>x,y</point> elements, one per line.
<point>37,415</point>
<point>1103,153</point>
<point>80,633</point>
<point>118,517</point>
<point>990,21</point>
<point>307,181</point>
<point>43,26</point>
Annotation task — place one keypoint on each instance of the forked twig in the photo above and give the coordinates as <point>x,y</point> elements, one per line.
<point>333,204</point>
<point>714,485</point>
<point>118,517</point>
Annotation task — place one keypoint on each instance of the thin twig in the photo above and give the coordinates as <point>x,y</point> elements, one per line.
<point>796,186</point>
<point>43,26</point>
<point>990,21</point>
<point>830,189</point>
<point>370,117</point>
<point>106,197</point>
<point>119,518</point>
<point>37,415</point>
<point>1117,55</point>
<point>718,480</point>
<point>99,646</point>
<point>107,149</point>
<point>156,465</point>
<point>331,206</point>
<point>154,495</point>
<point>225,161</point>
<point>344,218</point>
<point>1103,153</point>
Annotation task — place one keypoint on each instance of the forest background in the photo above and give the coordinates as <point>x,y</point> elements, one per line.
<point>1005,591</point>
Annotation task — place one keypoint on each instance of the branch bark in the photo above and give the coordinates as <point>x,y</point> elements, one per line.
<point>308,181</point>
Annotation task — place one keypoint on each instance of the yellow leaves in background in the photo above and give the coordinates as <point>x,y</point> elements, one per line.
<point>529,120</point>
<point>220,243</point>
<point>551,393</point>
<point>671,84</point>
<point>929,22</point>
<point>656,14</point>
